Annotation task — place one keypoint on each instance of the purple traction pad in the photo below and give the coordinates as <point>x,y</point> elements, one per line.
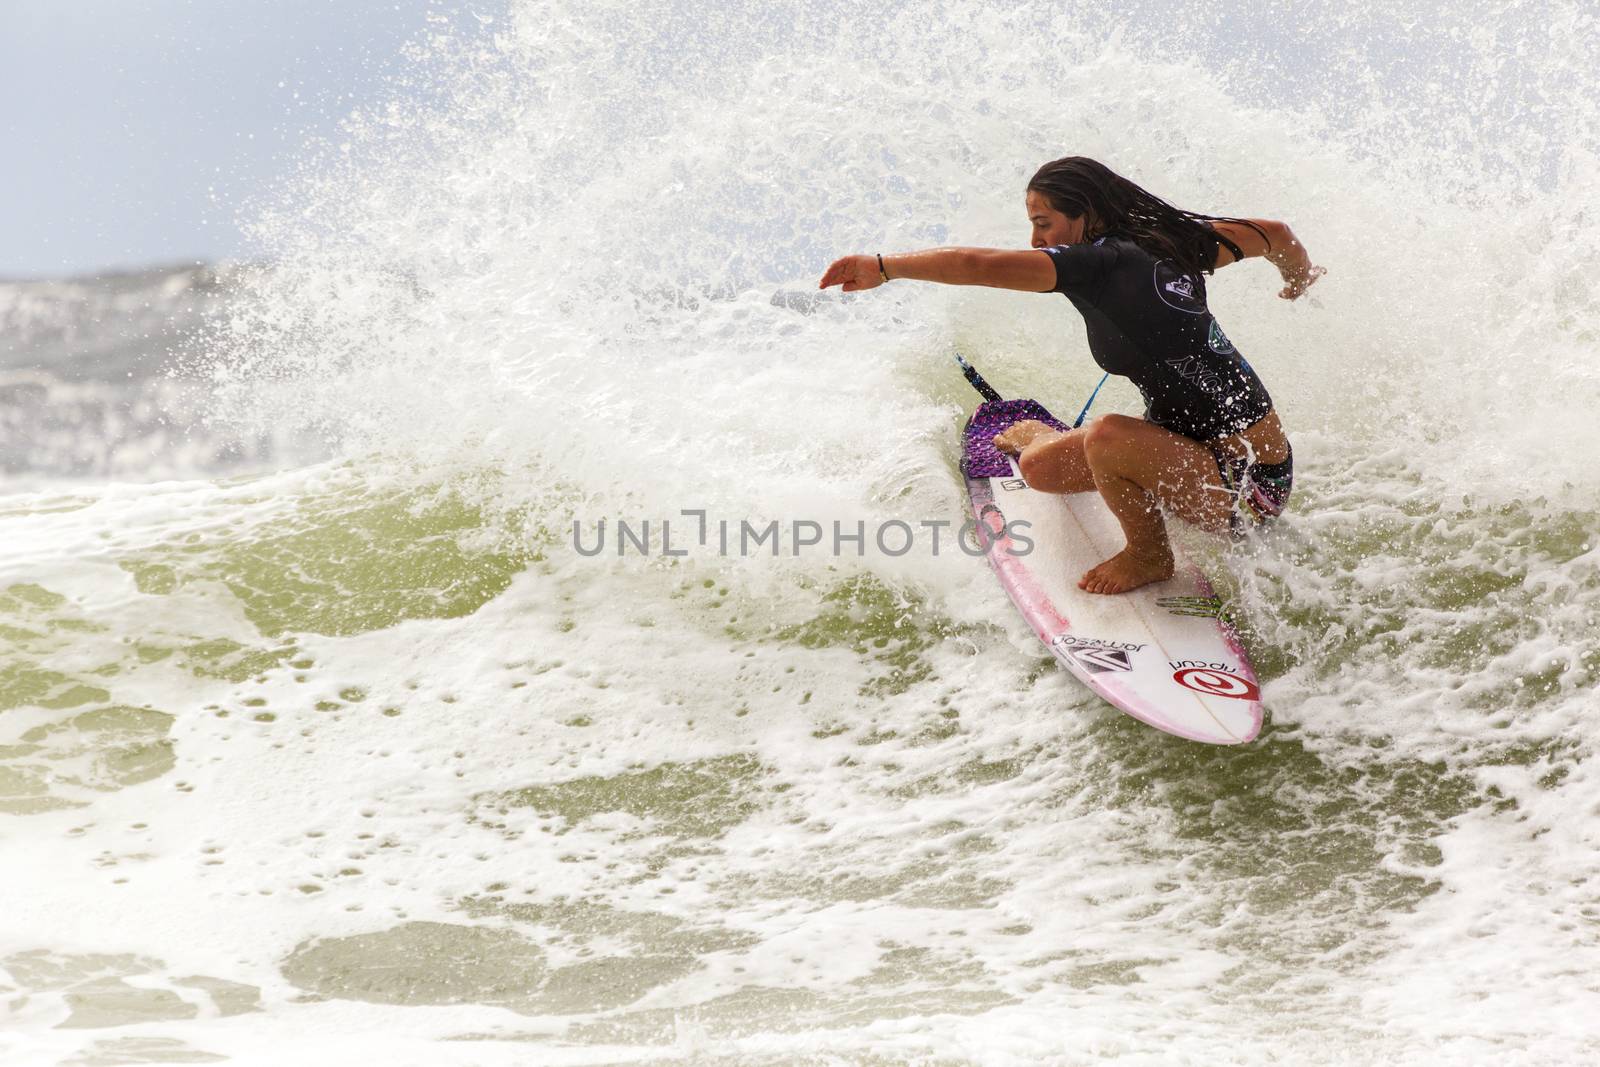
<point>979,457</point>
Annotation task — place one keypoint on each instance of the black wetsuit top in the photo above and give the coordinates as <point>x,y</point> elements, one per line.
<point>1148,321</point>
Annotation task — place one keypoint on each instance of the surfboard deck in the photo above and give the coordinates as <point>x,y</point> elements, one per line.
<point>1164,653</point>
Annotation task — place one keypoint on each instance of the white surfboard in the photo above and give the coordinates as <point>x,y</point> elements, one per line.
<point>1164,653</point>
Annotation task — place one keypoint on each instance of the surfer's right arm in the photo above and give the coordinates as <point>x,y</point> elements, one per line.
<point>1030,270</point>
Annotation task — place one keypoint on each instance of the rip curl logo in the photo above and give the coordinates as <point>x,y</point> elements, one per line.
<point>1178,290</point>
<point>1217,680</point>
<point>1218,341</point>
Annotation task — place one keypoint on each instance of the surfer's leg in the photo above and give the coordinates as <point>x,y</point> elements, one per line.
<point>1137,467</point>
<point>1051,461</point>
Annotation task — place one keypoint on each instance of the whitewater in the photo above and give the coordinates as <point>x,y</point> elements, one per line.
<point>322,738</point>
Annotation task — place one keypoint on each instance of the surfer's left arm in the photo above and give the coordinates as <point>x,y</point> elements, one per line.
<point>1029,270</point>
<point>1277,244</point>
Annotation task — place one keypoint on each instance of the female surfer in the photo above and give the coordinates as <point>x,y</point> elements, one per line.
<point>1210,446</point>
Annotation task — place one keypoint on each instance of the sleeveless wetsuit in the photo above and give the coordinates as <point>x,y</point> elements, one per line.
<point>1147,320</point>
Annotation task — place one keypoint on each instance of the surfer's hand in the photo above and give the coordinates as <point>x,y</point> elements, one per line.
<point>853,274</point>
<point>1019,435</point>
<point>1298,279</point>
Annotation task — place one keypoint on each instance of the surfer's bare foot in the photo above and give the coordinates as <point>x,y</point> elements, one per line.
<point>1126,571</point>
<point>1020,435</point>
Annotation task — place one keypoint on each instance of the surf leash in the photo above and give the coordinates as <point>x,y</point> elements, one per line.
<point>988,392</point>
<point>1089,403</point>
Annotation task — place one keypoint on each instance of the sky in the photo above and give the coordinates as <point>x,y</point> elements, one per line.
<point>135,130</point>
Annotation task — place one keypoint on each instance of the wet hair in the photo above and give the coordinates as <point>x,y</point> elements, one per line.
<point>1084,188</point>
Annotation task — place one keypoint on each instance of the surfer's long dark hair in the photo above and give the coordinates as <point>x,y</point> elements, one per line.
<point>1085,188</point>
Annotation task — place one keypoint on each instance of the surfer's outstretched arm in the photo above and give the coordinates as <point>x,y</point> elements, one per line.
<point>1275,241</point>
<point>1030,270</point>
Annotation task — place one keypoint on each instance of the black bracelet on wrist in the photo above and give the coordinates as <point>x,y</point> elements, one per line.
<point>881,272</point>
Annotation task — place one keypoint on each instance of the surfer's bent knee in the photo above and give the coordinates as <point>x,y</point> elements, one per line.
<point>1108,431</point>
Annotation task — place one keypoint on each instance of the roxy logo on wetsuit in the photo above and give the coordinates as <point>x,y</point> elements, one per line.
<point>1178,290</point>
<point>1192,368</point>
